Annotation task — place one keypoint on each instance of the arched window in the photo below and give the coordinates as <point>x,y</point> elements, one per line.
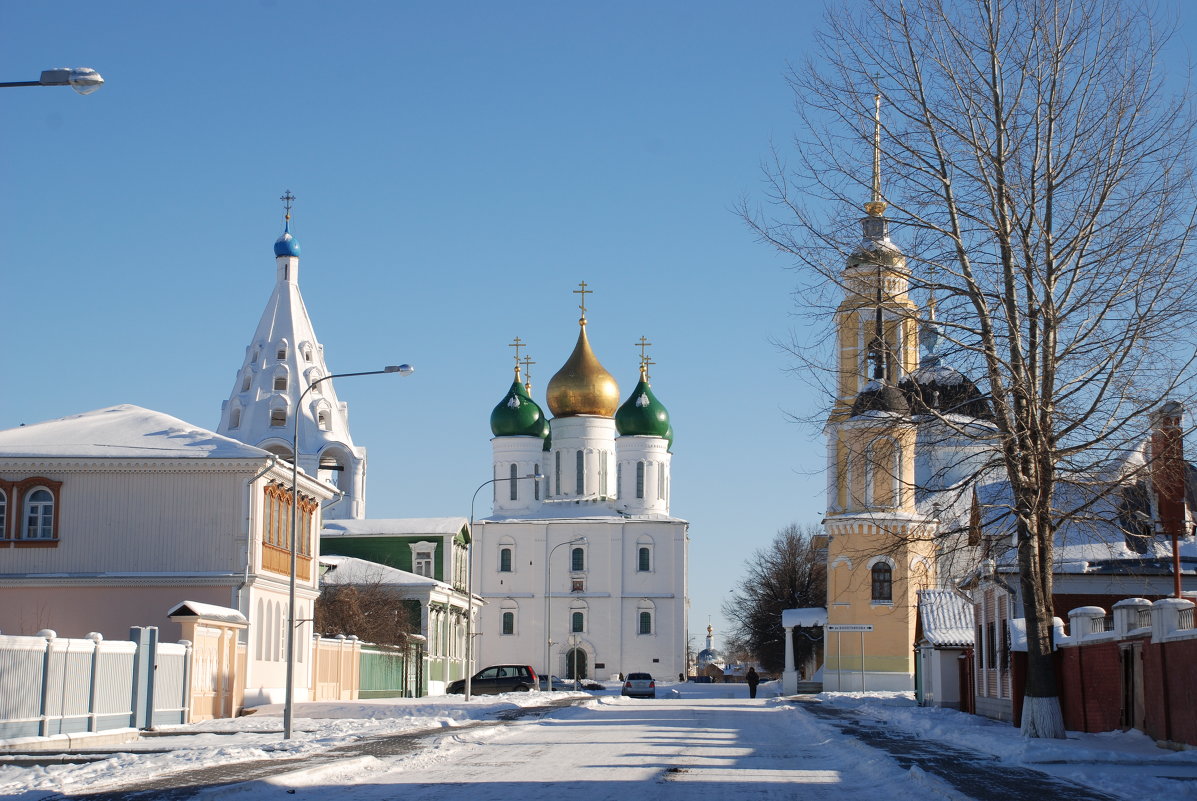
<point>513,480</point>
<point>334,468</point>
<point>39,515</point>
<point>322,420</point>
<point>639,479</point>
<point>883,582</point>
<point>580,471</point>
<point>245,379</point>
<point>509,622</point>
<point>280,382</point>
<point>557,472</point>
<point>646,622</point>
<point>235,417</point>
<point>282,352</point>
<point>505,559</point>
<point>577,560</point>
<point>644,559</point>
<point>536,483</point>
<point>278,418</point>
<point>577,621</point>
<point>619,480</point>
<point>660,481</point>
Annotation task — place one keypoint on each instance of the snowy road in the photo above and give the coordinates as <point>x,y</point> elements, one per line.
<point>616,749</point>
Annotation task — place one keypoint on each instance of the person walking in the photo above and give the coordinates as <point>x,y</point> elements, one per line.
<point>753,679</point>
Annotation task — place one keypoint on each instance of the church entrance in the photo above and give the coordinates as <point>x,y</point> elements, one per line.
<point>575,664</point>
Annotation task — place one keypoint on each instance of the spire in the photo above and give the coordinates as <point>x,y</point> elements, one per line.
<point>286,245</point>
<point>875,227</point>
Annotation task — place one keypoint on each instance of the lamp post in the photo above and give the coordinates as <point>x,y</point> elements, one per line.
<point>82,79</point>
<point>289,701</point>
<point>548,638</point>
<point>469,673</point>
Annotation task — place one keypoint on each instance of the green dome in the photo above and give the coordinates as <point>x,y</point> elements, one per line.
<point>643,415</point>
<point>517,415</point>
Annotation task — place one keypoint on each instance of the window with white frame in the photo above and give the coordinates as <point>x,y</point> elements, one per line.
<point>508,622</point>
<point>645,621</point>
<point>505,558</point>
<point>280,382</point>
<point>278,417</point>
<point>422,558</point>
<point>245,379</point>
<point>536,483</point>
<point>577,560</point>
<point>557,471</point>
<point>39,515</point>
<point>640,480</point>
<point>235,417</point>
<point>577,621</point>
<point>513,480</point>
<point>644,559</point>
<point>580,473</point>
<point>882,583</point>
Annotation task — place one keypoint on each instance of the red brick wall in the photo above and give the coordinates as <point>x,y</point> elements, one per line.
<point>1170,690</point>
<point>1091,692</point>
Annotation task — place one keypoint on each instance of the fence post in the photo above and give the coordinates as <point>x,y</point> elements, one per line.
<point>92,717</point>
<point>44,710</point>
<point>140,637</point>
<point>186,700</point>
<point>1165,617</point>
<point>1083,622</point>
<point>152,652</point>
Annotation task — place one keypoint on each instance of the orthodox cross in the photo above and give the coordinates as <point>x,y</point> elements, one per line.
<point>517,344</point>
<point>287,199</point>
<point>527,362</point>
<point>645,361</point>
<point>583,292</point>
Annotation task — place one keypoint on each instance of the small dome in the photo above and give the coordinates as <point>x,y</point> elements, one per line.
<point>935,387</point>
<point>286,245</point>
<point>642,414</point>
<point>582,385</point>
<point>517,415</point>
<point>880,396</point>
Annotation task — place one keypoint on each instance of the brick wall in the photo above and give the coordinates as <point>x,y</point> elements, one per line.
<point>1091,691</point>
<point>1170,690</point>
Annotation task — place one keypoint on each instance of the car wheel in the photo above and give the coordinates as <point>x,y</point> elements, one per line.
<point>523,688</point>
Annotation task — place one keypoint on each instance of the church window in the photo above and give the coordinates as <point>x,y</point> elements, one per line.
<point>660,481</point>
<point>883,583</point>
<point>504,560</point>
<point>644,559</point>
<point>577,622</point>
<point>245,379</point>
<point>619,480</point>
<point>536,483</point>
<point>322,420</point>
<point>278,418</point>
<point>577,560</point>
<point>307,354</point>
<point>602,487</point>
<point>513,480</point>
<point>235,417</point>
<point>557,473</point>
<point>280,383</point>
<point>580,473</point>
<point>646,622</point>
<point>422,562</point>
<point>39,515</point>
<point>640,480</point>
<point>509,622</point>
<point>282,352</point>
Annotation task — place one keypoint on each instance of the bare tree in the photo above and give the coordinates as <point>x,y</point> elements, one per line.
<point>372,612</point>
<point>1042,184</point>
<point>789,574</point>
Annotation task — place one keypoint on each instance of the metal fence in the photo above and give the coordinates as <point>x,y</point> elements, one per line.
<point>51,685</point>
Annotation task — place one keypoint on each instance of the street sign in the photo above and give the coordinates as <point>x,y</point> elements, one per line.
<point>850,627</point>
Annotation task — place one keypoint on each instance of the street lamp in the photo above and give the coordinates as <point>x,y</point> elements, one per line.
<point>548,637</point>
<point>469,677</point>
<point>289,702</point>
<point>82,79</point>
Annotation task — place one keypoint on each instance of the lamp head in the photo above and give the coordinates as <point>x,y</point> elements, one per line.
<point>82,79</point>
<point>401,369</point>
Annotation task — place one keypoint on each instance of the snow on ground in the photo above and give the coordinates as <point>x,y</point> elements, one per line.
<point>702,738</point>
<point>1124,764</point>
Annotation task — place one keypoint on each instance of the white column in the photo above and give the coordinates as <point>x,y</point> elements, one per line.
<point>789,678</point>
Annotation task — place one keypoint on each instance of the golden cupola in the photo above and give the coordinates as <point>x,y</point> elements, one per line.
<point>582,385</point>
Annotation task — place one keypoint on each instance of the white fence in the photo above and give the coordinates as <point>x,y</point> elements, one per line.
<point>51,685</point>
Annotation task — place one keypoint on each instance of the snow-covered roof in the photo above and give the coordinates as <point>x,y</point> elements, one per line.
<point>398,526</point>
<point>947,618</point>
<point>222,614</point>
<point>124,431</point>
<point>351,570</point>
<point>804,618</point>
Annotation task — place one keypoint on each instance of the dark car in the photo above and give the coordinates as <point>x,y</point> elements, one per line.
<point>639,685</point>
<point>498,679</point>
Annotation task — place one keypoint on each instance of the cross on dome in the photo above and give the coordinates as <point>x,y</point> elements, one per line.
<point>583,292</point>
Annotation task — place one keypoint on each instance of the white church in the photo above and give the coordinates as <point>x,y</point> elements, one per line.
<point>583,570</point>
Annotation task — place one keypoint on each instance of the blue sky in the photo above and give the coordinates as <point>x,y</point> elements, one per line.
<point>459,168</point>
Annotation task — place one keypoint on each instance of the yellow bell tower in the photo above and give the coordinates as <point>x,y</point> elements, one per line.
<point>879,551</point>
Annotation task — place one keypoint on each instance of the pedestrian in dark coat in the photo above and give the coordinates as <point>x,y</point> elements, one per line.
<point>753,679</point>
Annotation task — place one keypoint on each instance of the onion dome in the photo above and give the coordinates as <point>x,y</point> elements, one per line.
<point>582,385</point>
<point>937,388</point>
<point>642,414</point>
<point>880,396</point>
<point>517,415</point>
<point>286,245</point>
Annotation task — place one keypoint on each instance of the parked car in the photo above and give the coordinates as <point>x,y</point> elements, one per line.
<point>559,684</point>
<point>639,685</point>
<point>498,679</point>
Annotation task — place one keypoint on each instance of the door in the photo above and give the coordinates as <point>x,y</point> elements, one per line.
<point>575,664</point>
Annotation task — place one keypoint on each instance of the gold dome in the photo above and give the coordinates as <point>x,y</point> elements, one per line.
<point>582,385</point>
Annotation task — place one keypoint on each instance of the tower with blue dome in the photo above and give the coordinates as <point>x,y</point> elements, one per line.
<point>280,363</point>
